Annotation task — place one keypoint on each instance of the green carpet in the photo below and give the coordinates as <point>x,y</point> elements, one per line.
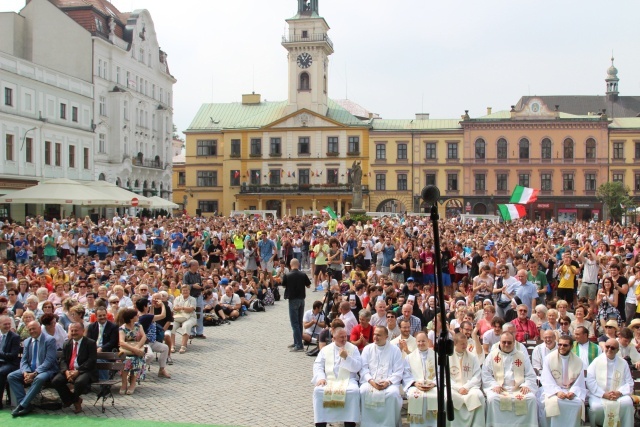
<point>82,421</point>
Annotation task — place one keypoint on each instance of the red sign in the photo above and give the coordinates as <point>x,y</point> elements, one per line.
<point>134,202</point>
<point>468,207</point>
<point>544,205</point>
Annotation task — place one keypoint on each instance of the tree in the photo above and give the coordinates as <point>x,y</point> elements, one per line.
<point>615,195</point>
<point>176,135</point>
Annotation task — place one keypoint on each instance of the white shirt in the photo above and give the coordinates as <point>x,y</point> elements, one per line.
<point>349,321</point>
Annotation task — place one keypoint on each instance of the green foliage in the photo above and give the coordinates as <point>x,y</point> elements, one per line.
<point>360,217</point>
<point>614,194</point>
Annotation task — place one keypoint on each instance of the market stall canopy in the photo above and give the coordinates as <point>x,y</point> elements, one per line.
<point>122,195</point>
<point>160,203</point>
<point>61,191</point>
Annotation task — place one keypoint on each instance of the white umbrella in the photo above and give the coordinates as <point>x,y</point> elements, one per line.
<point>61,191</point>
<point>122,195</point>
<point>159,202</point>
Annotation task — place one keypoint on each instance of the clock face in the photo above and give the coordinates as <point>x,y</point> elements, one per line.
<point>304,60</point>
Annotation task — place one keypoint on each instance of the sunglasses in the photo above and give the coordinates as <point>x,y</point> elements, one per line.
<point>563,345</point>
<point>611,347</point>
<point>115,302</point>
<point>565,323</point>
<point>391,317</point>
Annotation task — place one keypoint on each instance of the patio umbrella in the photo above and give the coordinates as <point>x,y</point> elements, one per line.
<point>159,203</point>
<point>123,196</point>
<point>61,191</point>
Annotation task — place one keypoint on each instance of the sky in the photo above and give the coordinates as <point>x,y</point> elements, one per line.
<point>399,57</point>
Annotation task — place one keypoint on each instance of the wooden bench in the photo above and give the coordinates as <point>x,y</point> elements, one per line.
<point>114,363</point>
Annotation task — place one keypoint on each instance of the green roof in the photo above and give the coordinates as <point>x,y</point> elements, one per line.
<point>236,115</point>
<point>407,125</point>
<point>625,123</point>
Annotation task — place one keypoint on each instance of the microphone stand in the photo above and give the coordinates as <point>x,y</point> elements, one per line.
<point>443,345</point>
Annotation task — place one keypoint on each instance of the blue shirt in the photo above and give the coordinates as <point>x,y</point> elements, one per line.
<point>179,237</point>
<point>157,239</point>
<point>266,249</point>
<point>527,293</point>
<point>387,255</point>
<point>103,249</point>
<point>20,251</point>
<point>92,245</point>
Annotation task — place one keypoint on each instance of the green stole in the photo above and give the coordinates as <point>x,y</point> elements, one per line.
<point>593,351</point>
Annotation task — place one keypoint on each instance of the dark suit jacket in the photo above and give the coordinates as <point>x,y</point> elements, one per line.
<point>10,350</point>
<point>86,358</point>
<point>110,336</point>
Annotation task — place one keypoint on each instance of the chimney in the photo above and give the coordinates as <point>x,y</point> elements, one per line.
<point>251,99</point>
<point>488,111</point>
<point>422,116</point>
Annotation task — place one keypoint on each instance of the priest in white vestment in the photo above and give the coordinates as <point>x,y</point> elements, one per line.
<point>610,383</point>
<point>405,342</point>
<point>509,383</point>
<point>336,397</point>
<point>563,387</point>
<point>380,378</point>
<point>468,400</point>
<point>420,384</point>
<point>542,350</point>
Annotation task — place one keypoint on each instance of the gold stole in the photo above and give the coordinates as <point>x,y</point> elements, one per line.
<point>335,392</point>
<point>611,408</point>
<point>574,367</point>
<point>416,397</point>
<point>506,403</point>
<point>461,372</point>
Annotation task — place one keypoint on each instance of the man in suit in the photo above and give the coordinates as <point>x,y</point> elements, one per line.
<point>9,351</point>
<point>105,334</point>
<point>77,367</point>
<point>37,366</point>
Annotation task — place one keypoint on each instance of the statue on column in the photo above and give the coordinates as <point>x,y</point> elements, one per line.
<point>356,179</point>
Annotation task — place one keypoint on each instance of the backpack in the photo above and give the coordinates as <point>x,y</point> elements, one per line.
<point>268,297</point>
<point>210,319</point>
<point>256,305</point>
<point>276,293</point>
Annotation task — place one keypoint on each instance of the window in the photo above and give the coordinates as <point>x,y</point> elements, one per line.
<point>430,150</point>
<point>618,150</point>
<point>568,149</point>
<point>102,143</point>
<point>637,182</point>
<point>274,177</point>
<point>452,181</point>
<point>524,149</point>
<point>207,179</point>
<point>567,182</point>
<point>402,152</point>
<point>304,146</point>
<point>235,148</point>
<point>118,75</point>
<point>502,182</point>
<point>523,179</point>
<point>590,182</point>
<point>256,146</point>
<point>103,106</point>
<point>381,181</point>
<point>501,149</point>
<point>332,145</point>
<point>332,176</point>
<point>303,176</point>
<point>255,177</point>
<point>125,110</point>
<point>381,152</point>
<point>208,206</point>
<point>275,147</point>
<point>74,114</point>
<point>28,154</point>
<point>182,178</point>
<point>545,149</point>
<point>305,34</point>
<point>72,156</point>
<point>590,152</point>
<point>480,149</point>
<point>354,145</point>
<point>85,159</point>
<point>207,147</point>
<point>58,154</point>
<point>63,111</point>
<point>545,182</point>
<point>304,82</point>
<point>480,182</point>
<point>8,96</point>
<point>8,147</point>
<point>617,177</point>
<point>47,153</point>
<point>430,179</point>
<point>402,181</point>
<point>452,151</point>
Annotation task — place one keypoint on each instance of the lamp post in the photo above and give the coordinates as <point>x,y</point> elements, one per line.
<point>24,137</point>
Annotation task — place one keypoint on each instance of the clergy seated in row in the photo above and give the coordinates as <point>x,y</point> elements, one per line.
<point>509,383</point>
<point>508,327</point>
<point>468,400</point>
<point>420,384</point>
<point>586,350</point>
<point>405,342</point>
<point>563,387</point>
<point>380,378</point>
<point>543,349</point>
<point>336,397</point>
<point>610,386</point>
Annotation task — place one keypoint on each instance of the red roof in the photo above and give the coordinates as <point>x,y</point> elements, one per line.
<point>103,6</point>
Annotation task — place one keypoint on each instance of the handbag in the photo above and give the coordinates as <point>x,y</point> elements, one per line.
<point>180,317</point>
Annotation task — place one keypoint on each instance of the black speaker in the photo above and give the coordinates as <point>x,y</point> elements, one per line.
<point>198,212</point>
<point>430,194</point>
<point>94,217</point>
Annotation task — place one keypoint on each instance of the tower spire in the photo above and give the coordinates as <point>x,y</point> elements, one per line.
<point>612,82</point>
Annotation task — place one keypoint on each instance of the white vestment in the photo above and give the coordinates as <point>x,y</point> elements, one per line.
<point>615,377</point>
<point>539,353</point>
<point>420,367</point>
<point>381,407</point>
<point>411,344</point>
<point>468,409</point>
<point>339,373</point>
<point>562,374</point>
<point>510,408</point>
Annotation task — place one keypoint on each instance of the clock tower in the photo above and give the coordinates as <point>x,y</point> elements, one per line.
<point>309,48</point>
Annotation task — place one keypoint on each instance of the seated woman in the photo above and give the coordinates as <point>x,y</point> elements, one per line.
<point>51,327</point>
<point>27,317</point>
<point>211,305</point>
<point>184,318</point>
<point>132,340</point>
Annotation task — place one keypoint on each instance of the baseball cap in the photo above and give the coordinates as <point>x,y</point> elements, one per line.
<point>224,281</point>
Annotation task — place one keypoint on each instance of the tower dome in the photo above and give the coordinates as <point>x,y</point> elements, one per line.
<point>612,82</point>
<point>612,72</point>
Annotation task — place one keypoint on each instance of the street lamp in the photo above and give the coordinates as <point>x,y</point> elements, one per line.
<point>24,137</point>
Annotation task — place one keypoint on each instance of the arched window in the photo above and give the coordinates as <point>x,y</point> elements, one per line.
<point>502,149</point>
<point>523,149</point>
<point>325,83</point>
<point>480,148</point>
<point>590,149</point>
<point>102,177</point>
<point>545,149</point>
<point>118,182</point>
<point>137,184</point>
<point>568,149</point>
<point>304,82</point>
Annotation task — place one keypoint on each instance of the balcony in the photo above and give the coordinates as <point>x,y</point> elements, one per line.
<point>148,163</point>
<point>313,38</point>
<point>300,188</point>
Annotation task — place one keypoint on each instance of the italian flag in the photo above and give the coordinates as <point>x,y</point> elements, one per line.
<point>524,195</point>
<point>329,212</point>
<point>510,212</point>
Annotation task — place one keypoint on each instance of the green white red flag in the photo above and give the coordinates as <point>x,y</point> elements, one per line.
<point>524,195</point>
<point>329,212</point>
<point>510,212</point>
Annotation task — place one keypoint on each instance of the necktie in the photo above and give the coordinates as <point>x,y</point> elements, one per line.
<point>74,354</point>
<point>34,356</point>
<point>1,341</point>
<point>101,329</point>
